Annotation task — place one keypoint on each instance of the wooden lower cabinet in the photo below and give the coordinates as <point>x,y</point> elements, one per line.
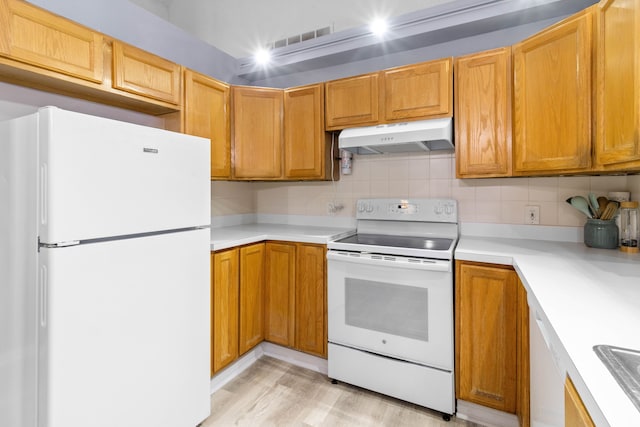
<point>575,413</point>
<point>491,349</point>
<point>224,308</point>
<point>251,297</point>
<point>295,296</point>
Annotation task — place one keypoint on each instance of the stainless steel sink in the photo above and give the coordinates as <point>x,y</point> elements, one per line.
<point>624,365</point>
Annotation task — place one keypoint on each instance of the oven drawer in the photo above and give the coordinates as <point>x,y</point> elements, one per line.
<point>417,384</point>
<point>401,313</point>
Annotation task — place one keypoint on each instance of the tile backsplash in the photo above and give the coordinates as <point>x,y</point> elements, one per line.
<point>495,200</point>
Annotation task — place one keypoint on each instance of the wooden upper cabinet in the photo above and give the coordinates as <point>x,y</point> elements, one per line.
<point>142,73</point>
<point>418,91</point>
<point>483,114</point>
<point>225,290</point>
<point>307,147</point>
<point>257,132</point>
<point>618,84</point>
<point>485,334</point>
<point>251,297</point>
<point>34,36</point>
<point>311,299</point>
<point>207,114</point>
<point>279,299</point>
<point>352,101</point>
<point>552,98</point>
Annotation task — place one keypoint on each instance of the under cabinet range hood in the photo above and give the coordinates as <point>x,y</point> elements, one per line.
<point>419,136</point>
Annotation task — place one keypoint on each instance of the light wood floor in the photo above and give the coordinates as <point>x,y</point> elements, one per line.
<point>274,393</point>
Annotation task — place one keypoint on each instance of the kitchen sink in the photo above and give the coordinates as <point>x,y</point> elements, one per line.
<point>624,365</point>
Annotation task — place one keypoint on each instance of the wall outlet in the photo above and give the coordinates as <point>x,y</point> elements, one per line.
<point>532,214</point>
<point>334,207</point>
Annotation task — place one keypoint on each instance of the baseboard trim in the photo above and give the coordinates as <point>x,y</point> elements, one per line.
<point>485,416</point>
<point>236,368</point>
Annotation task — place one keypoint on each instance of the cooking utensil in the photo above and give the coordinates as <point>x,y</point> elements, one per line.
<point>595,206</point>
<point>581,204</point>
<point>602,203</point>
<point>610,210</point>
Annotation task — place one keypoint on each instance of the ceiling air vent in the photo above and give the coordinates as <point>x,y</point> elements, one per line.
<point>309,35</point>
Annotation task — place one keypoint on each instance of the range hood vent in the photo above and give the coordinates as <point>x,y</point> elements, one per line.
<point>411,137</point>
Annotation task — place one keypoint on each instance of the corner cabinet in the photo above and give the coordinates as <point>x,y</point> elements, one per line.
<point>552,86</point>
<point>224,308</point>
<point>308,152</point>
<point>207,105</point>
<point>295,296</point>
<point>257,144</point>
<point>491,350</point>
<point>618,85</point>
<point>483,114</point>
<point>251,297</point>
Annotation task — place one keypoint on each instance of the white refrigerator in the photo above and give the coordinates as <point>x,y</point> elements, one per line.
<point>104,273</point>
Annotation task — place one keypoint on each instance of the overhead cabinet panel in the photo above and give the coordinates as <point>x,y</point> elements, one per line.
<point>552,98</point>
<point>352,101</point>
<point>34,36</point>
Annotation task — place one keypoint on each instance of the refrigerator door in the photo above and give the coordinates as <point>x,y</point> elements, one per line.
<point>125,332</point>
<point>102,178</point>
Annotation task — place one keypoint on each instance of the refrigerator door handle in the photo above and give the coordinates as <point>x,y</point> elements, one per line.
<point>43,296</point>
<point>43,193</point>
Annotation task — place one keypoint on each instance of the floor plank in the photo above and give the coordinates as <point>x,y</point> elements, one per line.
<point>275,393</point>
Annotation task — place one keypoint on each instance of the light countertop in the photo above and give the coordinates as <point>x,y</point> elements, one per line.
<point>228,237</point>
<point>588,297</point>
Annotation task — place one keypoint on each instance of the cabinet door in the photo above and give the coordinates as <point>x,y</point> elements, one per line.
<point>251,297</point>
<point>257,144</point>
<point>310,315</point>
<point>279,299</point>
<point>37,37</point>
<point>575,413</point>
<point>618,84</point>
<point>353,101</point>
<point>483,114</point>
<point>552,98</point>
<point>522,357</point>
<point>224,295</point>
<point>307,147</point>
<point>485,335</point>
<point>418,91</point>
<point>143,73</point>
<point>206,111</point>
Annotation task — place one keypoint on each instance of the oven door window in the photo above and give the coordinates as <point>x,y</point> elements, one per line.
<point>384,307</point>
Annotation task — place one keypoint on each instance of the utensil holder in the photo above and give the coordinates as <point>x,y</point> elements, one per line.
<point>601,234</point>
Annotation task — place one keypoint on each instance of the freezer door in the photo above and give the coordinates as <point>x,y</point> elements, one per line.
<point>101,178</point>
<point>124,333</point>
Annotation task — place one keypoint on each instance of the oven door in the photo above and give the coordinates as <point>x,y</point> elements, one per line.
<point>393,306</point>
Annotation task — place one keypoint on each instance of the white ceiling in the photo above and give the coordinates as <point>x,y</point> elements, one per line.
<point>239,27</point>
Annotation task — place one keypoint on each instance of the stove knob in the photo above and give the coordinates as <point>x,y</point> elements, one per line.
<point>360,207</point>
<point>448,209</point>
<point>369,208</point>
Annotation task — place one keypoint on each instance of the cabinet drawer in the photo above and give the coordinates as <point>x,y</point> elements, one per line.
<point>143,73</point>
<point>34,36</point>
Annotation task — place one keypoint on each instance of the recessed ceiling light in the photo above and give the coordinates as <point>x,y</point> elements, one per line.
<point>379,26</point>
<point>262,56</point>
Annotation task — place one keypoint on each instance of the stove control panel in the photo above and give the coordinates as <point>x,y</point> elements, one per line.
<point>434,210</point>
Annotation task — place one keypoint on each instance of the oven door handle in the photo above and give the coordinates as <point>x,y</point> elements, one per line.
<point>390,261</point>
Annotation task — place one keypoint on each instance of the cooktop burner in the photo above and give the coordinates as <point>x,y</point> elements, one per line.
<point>436,244</point>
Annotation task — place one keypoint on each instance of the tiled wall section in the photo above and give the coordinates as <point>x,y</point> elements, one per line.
<point>499,200</point>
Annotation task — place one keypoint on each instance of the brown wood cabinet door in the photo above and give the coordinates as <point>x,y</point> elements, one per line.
<point>279,299</point>
<point>618,84</point>
<point>552,98</point>
<point>143,73</point>
<point>306,144</point>
<point>483,114</point>
<point>352,101</point>
<point>575,413</point>
<point>251,297</point>
<point>310,311</point>
<point>485,302</point>
<point>207,114</point>
<point>522,358</point>
<point>257,132</point>
<point>418,91</point>
<point>37,37</point>
<point>225,308</point>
